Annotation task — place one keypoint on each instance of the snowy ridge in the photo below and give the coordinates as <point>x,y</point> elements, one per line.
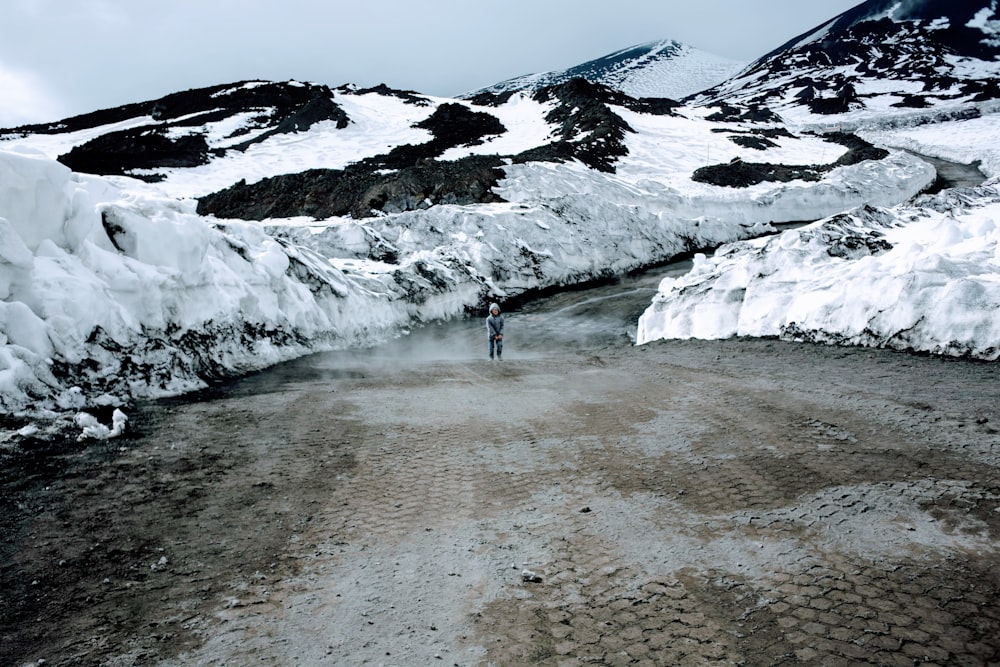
<point>660,149</point>
<point>687,71</point>
<point>665,68</point>
<point>181,130</point>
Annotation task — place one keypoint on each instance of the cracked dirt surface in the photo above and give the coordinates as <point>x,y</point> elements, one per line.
<point>681,503</point>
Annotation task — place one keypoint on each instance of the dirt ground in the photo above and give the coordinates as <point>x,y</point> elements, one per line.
<point>681,503</point>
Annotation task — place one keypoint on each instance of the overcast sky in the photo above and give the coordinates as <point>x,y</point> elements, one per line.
<point>64,57</point>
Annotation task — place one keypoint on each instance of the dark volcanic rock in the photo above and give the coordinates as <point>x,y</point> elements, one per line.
<point>408,96</point>
<point>118,153</point>
<point>859,150</point>
<point>588,130</point>
<point>323,193</point>
<point>173,138</point>
<point>189,108</point>
<point>740,174</point>
<point>752,141</point>
<point>845,99</point>
<point>728,113</point>
<point>317,108</point>
<point>935,43</point>
<point>488,99</point>
<point>452,126</point>
<point>456,125</point>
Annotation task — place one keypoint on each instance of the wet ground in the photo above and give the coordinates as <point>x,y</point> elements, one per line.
<point>584,501</point>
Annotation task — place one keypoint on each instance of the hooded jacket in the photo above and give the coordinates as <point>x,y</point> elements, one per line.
<point>494,323</point>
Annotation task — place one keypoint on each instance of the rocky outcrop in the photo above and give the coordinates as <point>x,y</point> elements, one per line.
<point>358,191</point>
<point>175,135</point>
<point>413,176</point>
<point>416,179</point>
<point>741,174</point>
<point>587,128</point>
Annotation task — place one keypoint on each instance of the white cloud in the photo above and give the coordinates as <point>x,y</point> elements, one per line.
<point>24,98</point>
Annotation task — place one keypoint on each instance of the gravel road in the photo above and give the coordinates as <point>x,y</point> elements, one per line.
<point>733,502</point>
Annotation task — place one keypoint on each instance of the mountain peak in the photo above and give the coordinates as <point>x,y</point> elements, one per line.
<point>663,68</point>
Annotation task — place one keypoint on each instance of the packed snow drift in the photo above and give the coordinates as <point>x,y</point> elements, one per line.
<point>924,276</point>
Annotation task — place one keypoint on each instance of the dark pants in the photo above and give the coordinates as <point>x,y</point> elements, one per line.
<point>499,346</point>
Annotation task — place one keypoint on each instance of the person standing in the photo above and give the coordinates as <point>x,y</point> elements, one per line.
<point>494,329</point>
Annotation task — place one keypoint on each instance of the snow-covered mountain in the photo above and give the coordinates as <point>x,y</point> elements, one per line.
<point>294,149</point>
<point>665,68</point>
<point>888,57</point>
<point>154,247</point>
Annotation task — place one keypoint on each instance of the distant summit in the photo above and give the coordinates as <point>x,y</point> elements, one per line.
<point>879,56</point>
<point>657,69</point>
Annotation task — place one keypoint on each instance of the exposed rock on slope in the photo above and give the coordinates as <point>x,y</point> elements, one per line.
<point>938,53</point>
<point>172,131</point>
<point>585,129</point>
<point>358,191</point>
<point>741,174</point>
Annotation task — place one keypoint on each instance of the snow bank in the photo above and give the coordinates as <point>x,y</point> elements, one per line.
<point>920,277</point>
<point>109,295</point>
